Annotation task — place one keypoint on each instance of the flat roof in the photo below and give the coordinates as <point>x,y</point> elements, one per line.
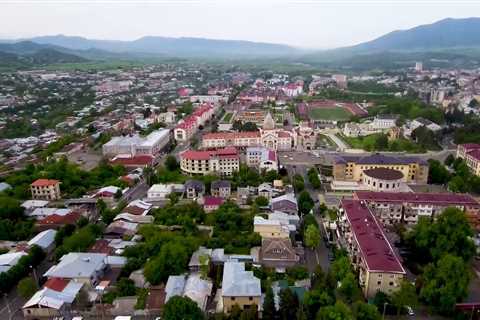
<point>373,244</point>
<point>444,199</point>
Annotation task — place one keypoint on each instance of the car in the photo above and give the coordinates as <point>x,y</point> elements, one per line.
<point>410,311</point>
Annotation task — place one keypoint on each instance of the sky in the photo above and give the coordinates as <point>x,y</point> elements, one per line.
<point>301,23</point>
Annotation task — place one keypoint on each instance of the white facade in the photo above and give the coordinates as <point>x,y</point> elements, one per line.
<point>136,145</point>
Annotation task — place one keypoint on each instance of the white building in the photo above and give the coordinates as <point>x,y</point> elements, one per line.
<point>136,145</point>
<point>384,121</point>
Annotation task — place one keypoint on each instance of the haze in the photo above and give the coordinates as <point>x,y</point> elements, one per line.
<point>309,24</point>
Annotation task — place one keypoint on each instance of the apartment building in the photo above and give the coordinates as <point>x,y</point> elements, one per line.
<point>369,250</point>
<point>45,189</point>
<point>220,161</point>
<point>190,125</point>
<point>408,207</point>
<point>351,168</point>
<point>135,145</point>
<point>470,152</point>
<point>262,158</point>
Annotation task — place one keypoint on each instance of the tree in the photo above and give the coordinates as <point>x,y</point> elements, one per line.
<point>339,311</point>
<point>126,287</point>
<point>437,173</point>
<point>249,126</point>
<point>305,203</point>
<point>26,287</point>
<point>298,183</point>
<point>261,201</point>
<point>312,237</point>
<point>288,304</point>
<point>179,308</point>
<point>301,313</point>
<point>363,311</point>
<point>405,296</point>
<point>445,283</point>
<point>349,287</point>
<point>173,259</point>
<point>381,143</point>
<point>269,311</point>
<point>449,160</point>
<point>313,178</point>
<point>271,175</point>
<point>314,300</point>
<point>340,268</point>
<point>457,184</point>
<point>171,163</point>
<point>381,301</point>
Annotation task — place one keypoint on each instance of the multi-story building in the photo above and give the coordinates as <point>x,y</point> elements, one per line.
<point>135,145</point>
<point>384,121</point>
<point>45,189</point>
<point>262,158</point>
<point>239,287</point>
<point>220,161</point>
<point>351,168</point>
<point>272,228</point>
<point>189,126</point>
<point>369,249</point>
<point>408,207</point>
<point>242,139</point>
<point>254,116</point>
<point>470,152</point>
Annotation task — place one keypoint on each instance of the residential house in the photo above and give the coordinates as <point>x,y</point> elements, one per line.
<point>221,188</point>
<point>9,260</point>
<point>278,253</point>
<point>286,203</point>
<point>240,287</point>
<point>211,203</point>
<point>45,240</point>
<point>45,189</point>
<point>194,189</point>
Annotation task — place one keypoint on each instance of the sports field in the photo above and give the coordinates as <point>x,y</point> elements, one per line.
<point>333,113</point>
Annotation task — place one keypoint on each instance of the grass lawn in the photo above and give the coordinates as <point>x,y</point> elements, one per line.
<point>228,116</point>
<point>368,143</point>
<point>334,113</point>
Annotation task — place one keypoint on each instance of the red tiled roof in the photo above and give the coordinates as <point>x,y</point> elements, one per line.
<point>474,154</point>
<point>44,182</point>
<point>374,246</point>
<point>444,199</point>
<point>57,284</point>
<point>470,146</point>
<point>70,218</point>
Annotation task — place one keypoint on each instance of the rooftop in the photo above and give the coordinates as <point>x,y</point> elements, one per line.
<point>77,265</point>
<point>374,246</point>
<point>44,182</point>
<point>428,198</point>
<point>239,283</point>
<point>384,173</point>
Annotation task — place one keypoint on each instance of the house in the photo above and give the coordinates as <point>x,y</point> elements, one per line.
<point>138,207</point>
<point>239,287</point>
<point>199,258</point>
<point>45,240</point>
<point>243,195</point>
<point>81,267</point>
<point>119,228</point>
<point>128,217</point>
<point>194,189</point>
<point>42,213</point>
<point>45,189</point>
<point>55,221</point>
<point>159,191</point>
<point>286,203</point>
<point>268,228</point>
<point>192,286</point>
<point>422,122</point>
<point>8,260</point>
<point>108,193</point>
<point>221,188</point>
<point>53,300</point>
<point>31,205</point>
<point>212,203</point>
<point>267,190</point>
<point>278,253</point>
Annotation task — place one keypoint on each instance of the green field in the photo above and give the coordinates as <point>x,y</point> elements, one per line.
<point>333,113</point>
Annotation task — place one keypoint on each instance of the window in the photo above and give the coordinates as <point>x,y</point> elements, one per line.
<point>379,282</point>
<point>250,298</point>
<point>390,283</point>
<point>232,298</point>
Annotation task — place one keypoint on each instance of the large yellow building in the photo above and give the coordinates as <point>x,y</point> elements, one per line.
<point>239,287</point>
<point>351,168</point>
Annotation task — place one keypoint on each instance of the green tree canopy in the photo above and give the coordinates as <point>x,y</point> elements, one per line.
<point>27,287</point>
<point>181,308</point>
<point>312,237</point>
<point>339,311</point>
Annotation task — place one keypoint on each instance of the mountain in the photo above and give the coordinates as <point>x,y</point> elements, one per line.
<point>174,47</point>
<point>25,54</point>
<point>443,34</point>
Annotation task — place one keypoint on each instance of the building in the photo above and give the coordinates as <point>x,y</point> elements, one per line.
<point>254,116</point>
<point>352,129</point>
<point>211,203</point>
<point>408,207</point>
<point>84,268</point>
<point>341,80</point>
<point>470,152</point>
<point>194,189</point>
<point>272,228</point>
<point>45,240</point>
<point>268,136</point>
<point>192,286</point>
<point>262,158</point>
<point>221,188</point>
<point>306,136</point>
<point>9,260</point>
<point>239,287</point>
<point>384,121</point>
<point>370,251</point>
<point>383,179</point>
<point>418,66</point>
<point>351,168</point>
<point>190,125</point>
<point>422,122</point>
<point>286,203</point>
<point>45,189</point>
<point>135,145</point>
<point>278,253</point>
<point>220,161</point>
<point>53,300</point>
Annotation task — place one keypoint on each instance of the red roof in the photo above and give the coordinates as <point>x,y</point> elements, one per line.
<point>470,146</point>
<point>142,160</point>
<point>101,246</point>
<point>374,246</point>
<point>474,154</point>
<point>70,218</point>
<point>213,201</point>
<point>444,199</point>
<point>57,284</point>
<point>44,182</point>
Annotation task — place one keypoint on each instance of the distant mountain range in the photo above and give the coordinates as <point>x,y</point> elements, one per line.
<point>446,36</point>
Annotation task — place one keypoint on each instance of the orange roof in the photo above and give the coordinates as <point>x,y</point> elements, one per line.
<point>44,182</point>
<point>57,284</point>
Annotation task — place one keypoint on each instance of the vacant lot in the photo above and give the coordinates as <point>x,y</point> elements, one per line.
<point>333,113</point>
